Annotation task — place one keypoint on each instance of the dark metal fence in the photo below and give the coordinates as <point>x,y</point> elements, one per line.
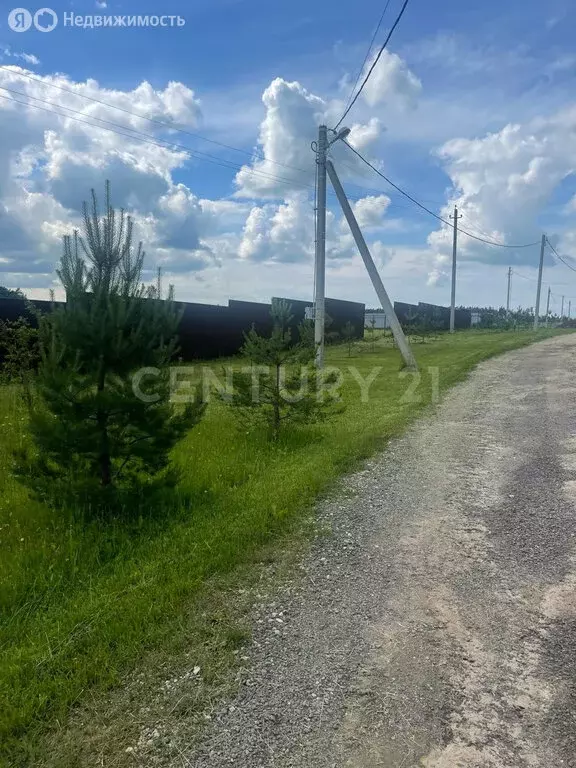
<point>208,331</point>
<point>431,316</point>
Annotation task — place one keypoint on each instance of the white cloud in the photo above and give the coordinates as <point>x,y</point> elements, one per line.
<point>570,206</point>
<point>28,58</point>
<point>391,81</point>
<point>258,239</point>
<point>285,233</point>
<point>49,161</point>
<point>184,221</point>
<point>502,184</point>
<point>291,123</point>
<point>279,233</point>
<point>438,277</point>
<point>286,134</point>
<point>370,211</point>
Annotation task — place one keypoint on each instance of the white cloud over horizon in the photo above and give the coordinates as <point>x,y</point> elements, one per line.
<point>259,234</point>
<point>502,183</point>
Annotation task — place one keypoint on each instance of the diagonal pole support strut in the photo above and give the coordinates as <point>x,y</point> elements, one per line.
<point>385,302</point>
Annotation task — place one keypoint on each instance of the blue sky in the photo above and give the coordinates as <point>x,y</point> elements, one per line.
<point>474,106</point>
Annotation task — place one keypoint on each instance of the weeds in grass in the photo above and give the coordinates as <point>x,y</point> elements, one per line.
<point>80,604</point>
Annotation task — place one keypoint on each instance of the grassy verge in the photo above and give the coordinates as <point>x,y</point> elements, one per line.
<point>80,606</point>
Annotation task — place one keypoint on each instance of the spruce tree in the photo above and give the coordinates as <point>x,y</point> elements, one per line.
<point>281,385</point>
<point>91,428</point>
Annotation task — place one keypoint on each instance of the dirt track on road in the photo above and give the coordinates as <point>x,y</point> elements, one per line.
<point>435,625</point>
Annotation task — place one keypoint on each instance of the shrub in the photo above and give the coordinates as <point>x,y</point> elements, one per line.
<point>19,354</point>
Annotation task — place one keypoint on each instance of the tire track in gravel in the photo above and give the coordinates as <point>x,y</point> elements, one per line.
<point>435,625</point>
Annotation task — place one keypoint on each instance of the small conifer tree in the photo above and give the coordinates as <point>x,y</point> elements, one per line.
<point>372,333</point>
<point>281,385</point>
<point>349,335</point>
<point>92,428</point>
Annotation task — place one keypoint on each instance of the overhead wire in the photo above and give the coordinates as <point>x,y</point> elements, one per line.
<point>369,190</point>
<point>149,139</point>
<point>466,218</point>
<point>368,52</point>
<point>555,252</point>
<point>440,204</point>
<point>524,277</point>
<point>154,141</point>
<point>222,162</point>
<point>163,123</point>
<point>435,215</point>
<point>535,279</point>
<point>195,152</point>
<point>376,60</point>
<point>164,143</point>
<point>198,154</point>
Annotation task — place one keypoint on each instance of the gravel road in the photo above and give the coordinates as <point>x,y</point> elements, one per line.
<point>435,623</point>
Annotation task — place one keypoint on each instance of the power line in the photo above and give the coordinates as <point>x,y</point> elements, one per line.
<point>525,277</point>
<point>439,203</point>
<point>163,143</point>
<point>474,226</point>
<point>534,279</point>
<point>162,123</point>
<point>376,60</point>
<point>435,215</point>
<point>560,257</point>
<point>557,296</point>
<point>198,154</point>
<point>370,190</point>
<point>166,144</point>
<point>149,139</point>
<point>367,53</point>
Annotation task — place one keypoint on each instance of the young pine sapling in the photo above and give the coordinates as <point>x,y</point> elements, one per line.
<point>281,386</point>
<point>103,420</point>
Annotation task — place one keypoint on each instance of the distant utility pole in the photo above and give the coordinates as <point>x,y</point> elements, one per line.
<point>320,256</point>
<point>454,250</point>
<point>562,309</point>
<point>508,293</point>
<point>537,307</point>
<point>548,304</point>
<point>569,309</point>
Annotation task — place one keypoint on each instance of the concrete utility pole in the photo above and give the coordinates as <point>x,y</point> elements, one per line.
<point>454,249</point>
<point>385,302</point>
<point>508,292</point>
<point>320,256</point>
<point>562,309</point>
<point>548,305</point>
<point>539,288</point>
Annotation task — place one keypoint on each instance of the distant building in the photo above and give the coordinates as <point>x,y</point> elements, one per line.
<point>475,318</point>
<point>376,319</point>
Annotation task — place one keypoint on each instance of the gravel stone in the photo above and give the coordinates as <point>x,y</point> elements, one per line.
<point>435,623</point>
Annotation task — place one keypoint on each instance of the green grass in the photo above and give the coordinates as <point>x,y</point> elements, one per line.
<point>79,605</point>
